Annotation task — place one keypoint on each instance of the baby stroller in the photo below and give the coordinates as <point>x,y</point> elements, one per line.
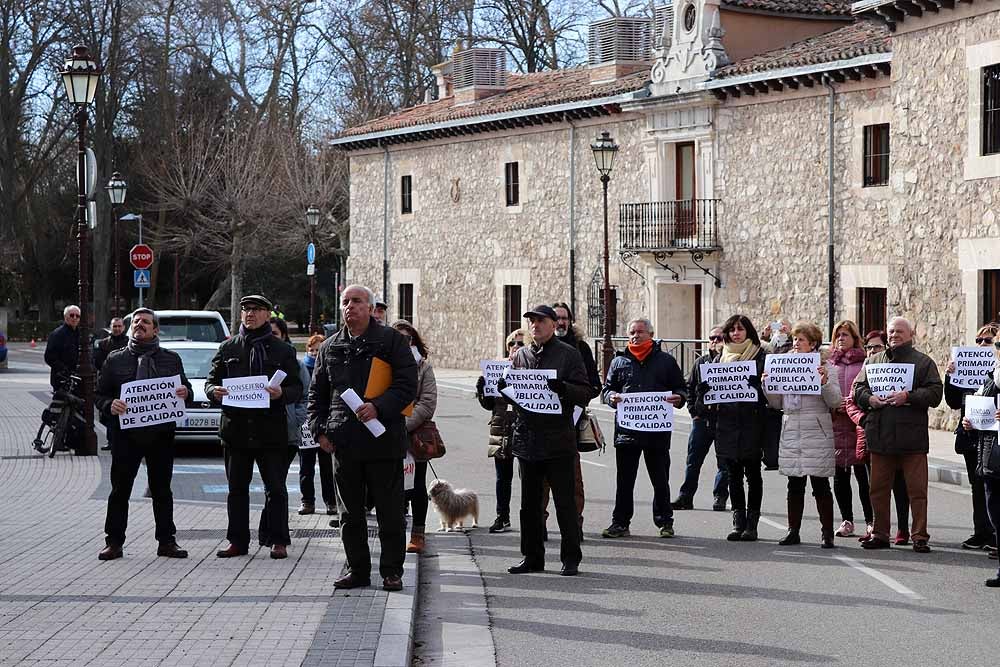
<point>62,421</point>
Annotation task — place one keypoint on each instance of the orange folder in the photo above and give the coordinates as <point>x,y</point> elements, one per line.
<point>379,379</point>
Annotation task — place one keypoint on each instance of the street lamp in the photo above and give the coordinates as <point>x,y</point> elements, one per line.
<point>80,75</point>
<point>605,149</point>
<point>116,188</point>
<point>312,217</point>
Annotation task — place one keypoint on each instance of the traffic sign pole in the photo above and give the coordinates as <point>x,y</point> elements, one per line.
<point>311,272</point>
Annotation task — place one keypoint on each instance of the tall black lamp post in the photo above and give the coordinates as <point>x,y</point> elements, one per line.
<point>116,188</point>
<point>80,75</point>
<point>605,149</point>
<point>312,217</point>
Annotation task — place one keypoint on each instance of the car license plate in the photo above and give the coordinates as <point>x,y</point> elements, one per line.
<point>201,422</point>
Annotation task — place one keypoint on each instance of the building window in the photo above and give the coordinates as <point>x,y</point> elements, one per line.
<point>991,296</point>
<point>512,184</point>
<point>991,110</point>
<point>511,308</point>
<point>406,194</point>
<point>404,302</point>
<point>871,309</point>
<point>876,155</point>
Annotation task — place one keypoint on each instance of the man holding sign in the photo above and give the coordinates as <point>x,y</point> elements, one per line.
<point>142,414</point>
<point>895,388</point>
<point>644,385</point>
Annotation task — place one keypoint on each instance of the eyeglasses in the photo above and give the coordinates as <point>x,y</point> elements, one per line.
<point>980,341</point>
<point>73,316</point>
<point>253,309</point>
<point>717,339</point>
<point>516,343</point>
<point>874,347</point>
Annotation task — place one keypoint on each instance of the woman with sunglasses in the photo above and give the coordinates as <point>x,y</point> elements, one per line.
<point>983,536</point>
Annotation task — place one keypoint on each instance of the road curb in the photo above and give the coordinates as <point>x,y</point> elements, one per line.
<point>395,640</point>
<point>946,472</point>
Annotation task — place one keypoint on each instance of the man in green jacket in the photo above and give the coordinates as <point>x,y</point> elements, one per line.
<point>896,431</point>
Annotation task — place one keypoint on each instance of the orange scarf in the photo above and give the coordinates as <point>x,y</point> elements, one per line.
<point>642,350</point>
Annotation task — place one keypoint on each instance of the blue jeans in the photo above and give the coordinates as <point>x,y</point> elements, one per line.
<point>699,442</point>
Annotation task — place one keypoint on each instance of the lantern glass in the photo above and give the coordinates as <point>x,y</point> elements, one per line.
<point>312,216</point>
<point>604,149</point>
<point>116,188</point>
<point>80,76</point>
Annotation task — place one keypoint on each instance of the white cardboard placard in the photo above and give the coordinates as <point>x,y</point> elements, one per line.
<point>246,392</point>
<point>645,411</point>
<point>728,382</point>
<point>150,402</point>
<point>887,379</point>
<point>793,373</point>
<point>973,366</point>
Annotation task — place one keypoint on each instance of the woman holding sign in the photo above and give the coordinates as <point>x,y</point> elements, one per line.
<point>807,449</point>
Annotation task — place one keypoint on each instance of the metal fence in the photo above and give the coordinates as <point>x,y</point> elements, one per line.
<point>666,225</point>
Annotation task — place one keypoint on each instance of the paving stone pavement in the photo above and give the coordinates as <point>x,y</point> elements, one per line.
<point>59,605</point>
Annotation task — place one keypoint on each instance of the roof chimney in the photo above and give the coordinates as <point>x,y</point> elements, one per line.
<point>478,73</point>
<point>618,46</point>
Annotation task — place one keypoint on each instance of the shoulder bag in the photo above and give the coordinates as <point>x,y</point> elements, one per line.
<point>589,437</point>
<point>426,442</point>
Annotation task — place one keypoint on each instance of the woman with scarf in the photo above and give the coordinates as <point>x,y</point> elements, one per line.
<point>739,435</point>
<point>847,357</point>
<point>309,457</point>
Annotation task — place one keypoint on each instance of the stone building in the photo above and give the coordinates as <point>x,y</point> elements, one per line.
<point>776,156</point>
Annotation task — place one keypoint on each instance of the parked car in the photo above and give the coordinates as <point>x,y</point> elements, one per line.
<point>202,419</point>
<point>194,325</point>
<point>3,347</point>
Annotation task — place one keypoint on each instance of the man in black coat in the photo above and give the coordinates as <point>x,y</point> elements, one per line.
<point>255,435</point>
<point>376,363</point>
<point>545,444</point>
<point>141,359</point>
<point>62,351</point>
<point>116,341</point>
<point>642,367</point>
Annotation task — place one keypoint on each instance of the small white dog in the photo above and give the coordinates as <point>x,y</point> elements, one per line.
<point>453,505</point>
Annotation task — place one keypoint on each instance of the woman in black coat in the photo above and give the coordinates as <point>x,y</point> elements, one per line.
<point>988,461</point>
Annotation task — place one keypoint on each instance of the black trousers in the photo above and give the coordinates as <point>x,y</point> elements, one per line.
<point>657,457</point>
<point>383,480</point>
<point>738,469</point>
<point>417,496</point>
<point>842,490</point>
<point>272,463</point>
<point>127,454</point>
<point>308,458</point>
<point>980,518</point>
<point>561,476</point>
<point>797,486</point>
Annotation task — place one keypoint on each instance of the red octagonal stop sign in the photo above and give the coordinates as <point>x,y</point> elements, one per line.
<point>141,256</point>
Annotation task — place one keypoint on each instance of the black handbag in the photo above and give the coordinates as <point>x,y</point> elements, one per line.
<point>771,438</point>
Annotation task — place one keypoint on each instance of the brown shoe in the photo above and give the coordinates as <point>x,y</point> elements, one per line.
<point>307,508</point>
<point>417,542</point>
<point>110,552</point>
<point>392,583</point>
<point>231,551</point>
<point>279,551</point>
<point>171,550</point>
<point>921,547</point>
<point>351,580</point>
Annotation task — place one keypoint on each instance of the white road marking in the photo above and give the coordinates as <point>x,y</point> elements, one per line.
<point>773,524</point>
<point>592,463</point>
<point>880,577</point>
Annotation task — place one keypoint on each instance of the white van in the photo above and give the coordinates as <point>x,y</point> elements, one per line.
<point>194,325</point>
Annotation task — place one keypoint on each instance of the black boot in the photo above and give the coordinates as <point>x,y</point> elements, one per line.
<point>739,525</point>
<point>824,506</point>
<point>750,534</point>
<point>795,507</point>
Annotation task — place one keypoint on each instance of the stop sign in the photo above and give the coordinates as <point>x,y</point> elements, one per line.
<point>141,256</point>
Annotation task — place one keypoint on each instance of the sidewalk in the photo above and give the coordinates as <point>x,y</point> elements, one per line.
<point>60,605</point>
<point>944,465</point>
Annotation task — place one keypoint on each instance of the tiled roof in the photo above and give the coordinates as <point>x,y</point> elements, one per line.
<point>524,91</point>
<point>861,38</point>
<point>822,7</point>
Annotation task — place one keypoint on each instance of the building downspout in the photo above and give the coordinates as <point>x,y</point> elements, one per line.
<point>831,300</point>
<point>385,225</point>
<point>572,214</point>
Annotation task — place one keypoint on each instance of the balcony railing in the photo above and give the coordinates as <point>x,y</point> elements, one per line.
<point>687,224</point>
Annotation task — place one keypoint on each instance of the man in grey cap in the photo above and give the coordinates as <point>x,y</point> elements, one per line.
<point>381,309</point>
<point>255,435</point>
<point>545,444</point>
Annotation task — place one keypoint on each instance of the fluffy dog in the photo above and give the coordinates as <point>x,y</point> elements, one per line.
<point>453,505</point>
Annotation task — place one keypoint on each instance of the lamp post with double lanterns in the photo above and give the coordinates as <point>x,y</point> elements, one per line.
<point>116,188</point>
<point>312,217</point>
<point>80,75</point>
<point>605,149</point>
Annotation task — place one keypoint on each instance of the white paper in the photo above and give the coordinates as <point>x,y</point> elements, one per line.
<point>981,411</point>
<point>645,411</point>
<point>887,379</point>
<point>529,389</point>
<point>973,366</point>
<point>306,438</point>
<point>354,402</point>
<point>246,392</point>
<point>492,371</point>
<point>577,413</point>
<point>276,380</point>
<point>409,472</point>
<point>793,373</point>
<point>149,402</point>
<point>728,382</point>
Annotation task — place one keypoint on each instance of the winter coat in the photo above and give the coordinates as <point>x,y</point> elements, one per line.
<point>985,442</point>
<point>807,444</point>
<point>427,397</point>
<point>539,437</point>
<point>902,429</point>
<point>106,346</point>
<point>253,428</point>
<point>739,427</point>
<point>857,415</point>
<point>575,338</point>
<point>296,412</point>
<point>626,375</point>
<point>845,432</point>
<point>62,354</point>
<point>955,398</point>
<point>501,424</point>
<point>344,363</point>
<point>696,397</point>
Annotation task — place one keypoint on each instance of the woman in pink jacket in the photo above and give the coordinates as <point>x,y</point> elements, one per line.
<point>847,356</point>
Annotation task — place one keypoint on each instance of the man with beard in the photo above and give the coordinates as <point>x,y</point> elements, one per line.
<point>116,341</point>
<point>141,359</point>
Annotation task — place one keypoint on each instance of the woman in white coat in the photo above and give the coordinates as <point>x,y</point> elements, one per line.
<point>807,447</point>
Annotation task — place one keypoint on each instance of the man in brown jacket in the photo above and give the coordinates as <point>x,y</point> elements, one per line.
<point>896,431</point>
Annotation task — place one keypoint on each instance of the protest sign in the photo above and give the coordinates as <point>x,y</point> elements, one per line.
<point>409,472</point>
<point>973,366</point>
<point>887,379</point>
<point>793,373</point>
<point>645,411</point>
<point>246,392</point>
<point>982,412</point>
<point>149,402</point>
<point>530,390</point>
<point>492,371</point>
<point>306,438</point>
<point>276,379</point>
<point>728,382</point>
<point>374,426</point>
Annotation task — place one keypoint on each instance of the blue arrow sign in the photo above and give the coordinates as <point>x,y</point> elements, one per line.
<point>311,253</point>
<point>141,278</point>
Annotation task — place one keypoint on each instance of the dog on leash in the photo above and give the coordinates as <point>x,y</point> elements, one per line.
<point>453,505</point>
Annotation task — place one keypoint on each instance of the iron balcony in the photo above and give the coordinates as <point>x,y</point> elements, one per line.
<point>687,224</point>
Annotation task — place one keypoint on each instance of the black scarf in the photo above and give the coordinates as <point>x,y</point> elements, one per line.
<point>258,351</point>
<point>145,352</point>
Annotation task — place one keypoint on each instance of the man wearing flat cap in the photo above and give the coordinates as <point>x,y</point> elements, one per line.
<point>255,435</point>
<point>545,444</point>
